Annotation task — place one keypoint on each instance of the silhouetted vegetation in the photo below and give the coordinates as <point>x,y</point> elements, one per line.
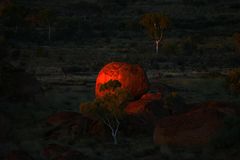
<point>233,81</point>
<point>236,38</point>
<point>227,138</point>
<point>174,103</point>
<point>109,108</point>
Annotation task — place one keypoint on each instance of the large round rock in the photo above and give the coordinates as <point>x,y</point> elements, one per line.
<point>131,76</point>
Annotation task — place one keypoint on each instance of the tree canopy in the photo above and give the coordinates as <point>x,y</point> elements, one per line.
<point>110,108</point>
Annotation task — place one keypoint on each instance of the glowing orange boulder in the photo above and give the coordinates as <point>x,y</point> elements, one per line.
<point>131,76</point>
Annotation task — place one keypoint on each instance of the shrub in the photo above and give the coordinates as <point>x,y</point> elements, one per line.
<point>41,52</point>
<point>233,81</point>
<point>111,84</point>
<point>236,38</point>
<point>188,45</point>
<point>85,8</point>
<point>196,2</point>
<point>174,102</point>
<point>170,48</point>
<point>228,137</point>
<point>3,47</point>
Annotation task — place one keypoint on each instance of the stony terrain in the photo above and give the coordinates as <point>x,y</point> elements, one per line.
<point>26,123</point>
<point>44,82</point>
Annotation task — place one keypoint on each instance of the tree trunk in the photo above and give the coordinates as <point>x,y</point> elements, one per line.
<point>157,46</point>
<point>16,28</point>
<point>157,42</point>
<point>114,134</point>
<point>114,138</point>
<point>114,128</point>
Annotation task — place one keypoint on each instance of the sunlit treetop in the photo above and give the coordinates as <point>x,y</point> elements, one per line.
<point>110,85</point>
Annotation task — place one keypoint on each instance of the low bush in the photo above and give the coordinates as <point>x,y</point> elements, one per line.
<point>236,38</point>
<point>233,81</point>
<point>229,136</point>
<point>188,45</point>
<point>174,102</point>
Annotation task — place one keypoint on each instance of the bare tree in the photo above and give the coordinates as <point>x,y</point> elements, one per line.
<point>12,14</point>
<point>156,24</point>
<point>44,18</point>
<point>47,18</point>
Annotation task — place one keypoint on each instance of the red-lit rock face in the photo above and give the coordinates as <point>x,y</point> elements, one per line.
<point>140,106</point>
<point>131,76</point>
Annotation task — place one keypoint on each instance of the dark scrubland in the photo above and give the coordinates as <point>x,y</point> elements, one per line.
<point>45,76</point>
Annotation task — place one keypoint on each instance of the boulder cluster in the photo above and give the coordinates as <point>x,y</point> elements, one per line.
<point>178,124</point>
<point>188,125</point>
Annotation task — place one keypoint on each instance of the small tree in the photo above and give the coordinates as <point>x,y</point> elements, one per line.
<point>156,24</point>
<point>12,14</point>
<point>109,108</point>
<point>47,17</point>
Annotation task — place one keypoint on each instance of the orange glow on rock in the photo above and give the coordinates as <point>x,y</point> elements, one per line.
<point>136,107</point>
<point>131,76</point>
<point>140,106</point>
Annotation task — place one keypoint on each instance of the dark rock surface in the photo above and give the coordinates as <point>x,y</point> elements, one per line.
<point>195,127</point>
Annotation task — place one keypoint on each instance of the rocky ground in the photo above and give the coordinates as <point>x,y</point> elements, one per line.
<point>39,108</point>
<point>50,127</point>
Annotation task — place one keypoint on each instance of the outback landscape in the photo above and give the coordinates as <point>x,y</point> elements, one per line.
<point>111,80</point>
